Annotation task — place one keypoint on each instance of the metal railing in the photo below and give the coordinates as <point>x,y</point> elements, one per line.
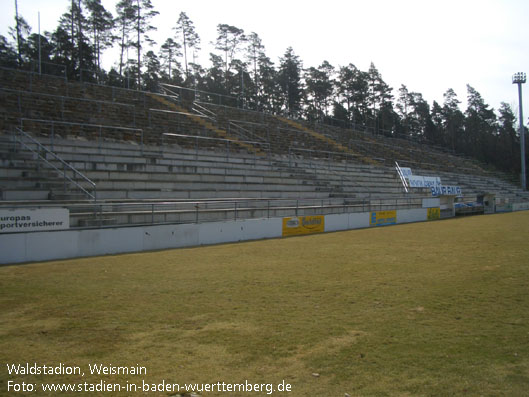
<point>193,95</point>
<point>401,176</point>
<point>169,91</point>
<point>243,132</point>
<point>65,166</point>
<point>229,143</point>
<point>186,124</point>
<point>324,155</point>
<point>199,111</point>
<point>44,71</point>
<point>203,111</point>
<point>112,214</point>
<point>99,102</point>
<point>98,127</point>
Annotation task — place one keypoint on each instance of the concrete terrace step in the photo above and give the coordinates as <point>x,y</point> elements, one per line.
<point>202,194</point>
<point>128,171</point>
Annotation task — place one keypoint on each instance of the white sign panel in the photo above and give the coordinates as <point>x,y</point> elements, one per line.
<point>431,181</point>
<point>446,191</point>
<point>31,220</point>
<point>416,181</point>
<point>406,172</point>
<point>424,181</point>
<point>431,202</point>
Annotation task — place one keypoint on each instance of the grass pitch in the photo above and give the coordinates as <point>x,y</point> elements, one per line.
<point>426,309</point>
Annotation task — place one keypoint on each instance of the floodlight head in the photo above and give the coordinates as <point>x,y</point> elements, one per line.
<point>518,78</point>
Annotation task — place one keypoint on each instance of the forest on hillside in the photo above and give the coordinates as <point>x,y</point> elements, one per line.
<point>240,69</point>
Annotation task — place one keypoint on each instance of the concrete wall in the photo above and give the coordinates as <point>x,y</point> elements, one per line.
<point>414,215</point>
<point>337,222</point>
<point>39,246</point>
<point>520,206</point>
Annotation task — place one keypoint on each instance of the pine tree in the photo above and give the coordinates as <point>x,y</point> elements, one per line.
<point>63,48</point>
<point>71,47</point>
<point>414,113</point>
<point>352,87</point>
<point>319,85</point>
<point>101,23</point>
<point>214,81</point>
<point>268,89</point>
<point>32,48</point>
<point>403,107</point>
<point>453,120</point>
<point>379,97</point>
<point>436,115</point>
<point>289,80</point>
<point>255,52</point>
<point>152,67</point>
<point>229,41</point>
<point>480,126</point>
<point>20,34</point>
<point>8,55</point>
<point>185,30</point>
<point>144,12</point>
<point>123,23</point>
<point>169,53</point>
<point>21,28</point>
<point>507,154</point>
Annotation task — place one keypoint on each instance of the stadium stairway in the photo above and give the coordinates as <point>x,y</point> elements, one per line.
<point>21,172</point>
<point>329,142</point>
<point>284,135</point>
<point>206,124</point>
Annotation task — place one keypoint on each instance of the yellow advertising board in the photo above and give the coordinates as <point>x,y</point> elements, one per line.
<point>383,218</point>
<point>299,225</point>
<point>434,213</point>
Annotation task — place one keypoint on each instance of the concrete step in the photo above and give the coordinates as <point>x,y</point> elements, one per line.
<point>58,195</point>
<point>96,222</point>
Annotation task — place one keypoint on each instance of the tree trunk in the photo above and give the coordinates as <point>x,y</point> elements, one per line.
<point>185,50</point>
<point>18,34</point>
<point>139,46</point>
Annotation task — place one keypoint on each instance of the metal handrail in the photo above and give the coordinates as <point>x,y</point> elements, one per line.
<point>242,208</point>
<point>245,133</point>
<point>67,97</point>
<point>203,110</point>
<point>293,149</point>
<point>401,176</point>
<point>58,158</point>
<point>175,112</point>
<point>216,139</point>
<point>212,119</point>
<point>203,114</point>
<point>165,85</point>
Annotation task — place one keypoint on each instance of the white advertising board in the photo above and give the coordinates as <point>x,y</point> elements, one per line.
<point>406,172</point>
<point>424,181</point>
<point>446,191</point>
<point>34,219</point>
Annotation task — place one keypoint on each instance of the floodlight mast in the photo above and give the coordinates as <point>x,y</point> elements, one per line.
<point>520,78</point>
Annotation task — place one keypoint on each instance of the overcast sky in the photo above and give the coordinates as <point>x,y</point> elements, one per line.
<point>427,45</point>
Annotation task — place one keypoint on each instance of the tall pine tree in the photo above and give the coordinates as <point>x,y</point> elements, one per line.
<point>290,84</point>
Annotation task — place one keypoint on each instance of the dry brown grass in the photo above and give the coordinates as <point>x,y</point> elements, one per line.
<point>437,308</point>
